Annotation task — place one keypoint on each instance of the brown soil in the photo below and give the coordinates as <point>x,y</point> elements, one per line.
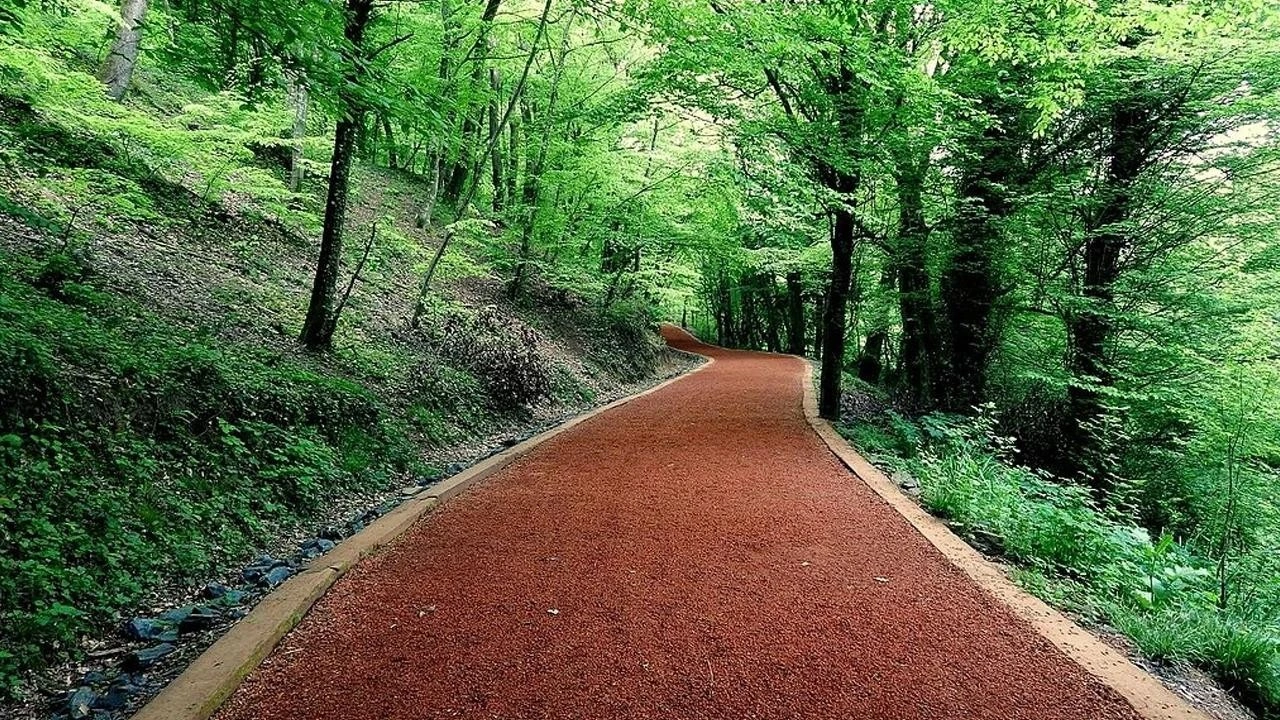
<point>696,553</point>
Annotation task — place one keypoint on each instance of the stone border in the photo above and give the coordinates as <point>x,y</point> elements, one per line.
<point>201,689</point>
<point>1148,696</point>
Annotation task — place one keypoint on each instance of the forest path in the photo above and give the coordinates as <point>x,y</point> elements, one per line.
<point>695,553</point>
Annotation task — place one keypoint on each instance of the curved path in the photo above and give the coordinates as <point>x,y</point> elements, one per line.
<point>696,553</point>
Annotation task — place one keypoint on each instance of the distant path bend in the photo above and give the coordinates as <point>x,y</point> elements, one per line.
<point>696,553</point>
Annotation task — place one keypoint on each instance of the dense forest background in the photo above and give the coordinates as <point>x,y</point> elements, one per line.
<point>1031,244</point>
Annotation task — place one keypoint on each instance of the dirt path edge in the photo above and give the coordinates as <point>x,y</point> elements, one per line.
<point>1148,696</point>
<point>201,689</point>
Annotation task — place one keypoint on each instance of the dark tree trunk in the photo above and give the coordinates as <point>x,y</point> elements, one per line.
<point>819,312</point>
<point>970,286</point>
<point>971,282</point>
<point>835,306</point>
<point>458,174</point>
<point>871,358</point>
<point>322,320</point>
<point>920,340</point>
<point>795,311</point>
<point>1091,326</point>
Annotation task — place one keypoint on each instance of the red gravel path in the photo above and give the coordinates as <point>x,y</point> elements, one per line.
<point>696,553</point>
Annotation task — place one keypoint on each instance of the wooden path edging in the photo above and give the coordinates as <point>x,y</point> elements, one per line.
<point>215,674</point>
<point>1148,696</point>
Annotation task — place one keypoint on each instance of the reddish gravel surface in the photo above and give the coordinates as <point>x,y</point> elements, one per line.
<point>696,553</point>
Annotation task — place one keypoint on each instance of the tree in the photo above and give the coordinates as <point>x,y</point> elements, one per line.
<point>322,318</point>
<point>117,70</point>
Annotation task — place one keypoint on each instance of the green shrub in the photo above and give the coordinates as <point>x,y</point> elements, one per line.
<point>1160,593</point>
<point>131,453</point>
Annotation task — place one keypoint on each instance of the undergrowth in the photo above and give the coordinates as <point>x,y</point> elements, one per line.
<point>1166,594</point>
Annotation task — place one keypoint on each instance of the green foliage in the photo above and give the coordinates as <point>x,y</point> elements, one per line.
<point>1162,593</point>
<point>132,453</point>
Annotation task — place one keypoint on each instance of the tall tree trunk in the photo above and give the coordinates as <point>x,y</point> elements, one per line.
<point>836,306</point>
<point>819,312</point>
<point>322,320</point>
<point>298,97</point>
<point>514,153</point>
<point>433,190</point>
<point>921,343</point>
<point>773,316</point>
<point>969,284</point>
<point>529,195</point>
<point>466,157</point>
<point>795,313</point>
<point>117,70</point>
<point>1090,326</point>
<point>495,84</point>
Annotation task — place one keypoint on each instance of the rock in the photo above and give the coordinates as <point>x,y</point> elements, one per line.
<point>141,628</point>
<point>138,680</point>
<point>332,534</point>
<point>257,569</point>
<point>904,481</point>
<point>177,615</point>
<point>315,547</point>
<point>275,576</point>
<point>229,598</point>
<point>116,697</point>
<point>201,618</point>
<point>143,659</point>
<point>80,704</point>
<point>213,591</point>
<point>454,469</point>
<point>410,491</point>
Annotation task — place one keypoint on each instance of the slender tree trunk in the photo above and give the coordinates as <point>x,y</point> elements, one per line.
<point>317,331</point>
<point>117,71</point>
<point>393,160</point>
<point>495,84</point>
<point>836,306</point>
<point>514,153</point>
<point>298,97</point>
<point>819,312</point>
<point>322,320</point>
<point>773,322</point>
<point>850,117</point>
<point>433,191</point>
<point>795,311</point>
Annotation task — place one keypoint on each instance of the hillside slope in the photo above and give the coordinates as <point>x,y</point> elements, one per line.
<point>158,423</point>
